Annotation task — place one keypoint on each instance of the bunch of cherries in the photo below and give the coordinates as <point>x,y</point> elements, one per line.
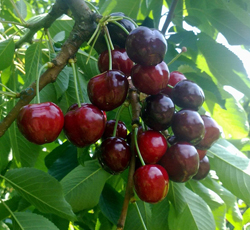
<point>171,144</point>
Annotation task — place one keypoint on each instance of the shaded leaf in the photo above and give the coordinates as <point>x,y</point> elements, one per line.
<point>7,49</point>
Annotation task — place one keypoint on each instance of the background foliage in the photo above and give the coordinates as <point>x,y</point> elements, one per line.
<point>74,191</point>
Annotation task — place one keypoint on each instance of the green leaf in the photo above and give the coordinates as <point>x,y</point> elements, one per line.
<point>41,190</point>
<point>31,221</point>
<point>7,49</point>
<point>216,204</point>
<point>195,215</point>
<point>233,214</point>
<point>62,82</point>
<point>246,217</point>
<point>232,168</point>
<point>83,185</point>
<point>12,204</point>
<point>22,9</point>
<point>32,63</point>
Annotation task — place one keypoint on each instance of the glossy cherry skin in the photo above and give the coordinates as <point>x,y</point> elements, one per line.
<point>120,61</point>
<point>146,46</point>
<point>151,183</point>
<point>84,125</point>
<point>108,90</point>
<point>152,145</point>
<point>188,95</point>
<point>150,79</point>
<point>212,132</point>
<point>114,155</point>
<point>202,152</point>
<point>121,130</point>
<point>118,35</point>
<point>40,123</point>
<point>181,161</point>
<point>174,78</point>
<point>157,111</point>
<point>188,125</point>
<point>203,170</point>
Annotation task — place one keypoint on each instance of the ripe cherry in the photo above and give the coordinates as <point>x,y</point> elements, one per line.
<point>203,170</point>
<point>121,130</point>
<point>150,79</point>
<point>188,95</point>
<point>188,125</point>
<point>174,78</point>
<point>202,153</point>
<point>157,111</point>
<point>114,154</point>
<point>40,123</point>
<point>152,145</point>
<point>212,132</point>
<point>146,46</point>
<point>120,61</point>
<point>108,90</point>
<point>151,183</point>
<point>84,125</point>
<point>181,161</point>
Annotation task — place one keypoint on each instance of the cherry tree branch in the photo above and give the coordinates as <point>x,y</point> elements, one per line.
<point>82,31</point>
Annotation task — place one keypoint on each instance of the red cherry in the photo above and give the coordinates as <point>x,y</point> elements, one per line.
<point>120,61</point>
<point>152,145</point>
<point>114,155</point>
<point>108,90</point>
<point>151,183</point>
<point>40,123</point>
<point>181,161</point>
<point>84,125</point>
<point>174,78</point>
<point>203,170</point>
<point>150,79</point>
<point>121,130</point>
<point>212,132</point>
<point>202,153</point>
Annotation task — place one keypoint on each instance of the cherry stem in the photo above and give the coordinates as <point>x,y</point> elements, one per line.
<point>141,218</point>
<point>46,65</point>
<point>109,52</point>
<point>183,50</point>
<point>72,63</point>
<point>117,116</point>
<point>170,86</point>
<point>137,147</point>
<point>108,37</point>
<point>119,25</point>
<point>130,19</point>
<point>92,6</point>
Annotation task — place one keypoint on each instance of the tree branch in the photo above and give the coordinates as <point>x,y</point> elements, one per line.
<point>82,30</point>
<point>170,16</point>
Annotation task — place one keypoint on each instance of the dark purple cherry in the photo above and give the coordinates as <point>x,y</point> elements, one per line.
<point>151,183</point>
<point>157,111</point>
<point>114,154</point>
<point>118,35</point>
<point>181,161</point>
<point>120,61</point>
<point>146,46</point>
<point>150,79</point>
<point>108,90</point>
<point>212,132</point>
<point>121,130</point>
<point>203,170</point>
<point>188,95</point>
<point>188,125</point>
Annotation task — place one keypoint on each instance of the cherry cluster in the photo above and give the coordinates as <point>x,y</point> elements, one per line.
<point>170,141</point>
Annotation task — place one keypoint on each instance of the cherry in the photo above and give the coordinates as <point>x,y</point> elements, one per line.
<point>188,125</point>
<point>157,111</point>
<point>108,90</point>
<point>120,61</point>
<point>84,125</point>
<point>121,130</point>
<point>40,123</point>
<point>203,170</point>
<point>146,46</point>
<point>202,153</point>
<point>188,95</point>
<point>152,145</point>
<point>174,78</point>
<point>212,132</point>
<point>118,35</point>
<point>151,183</point>
<point>114,155</point>
<point>181,161</point>
<point>150,79</point>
